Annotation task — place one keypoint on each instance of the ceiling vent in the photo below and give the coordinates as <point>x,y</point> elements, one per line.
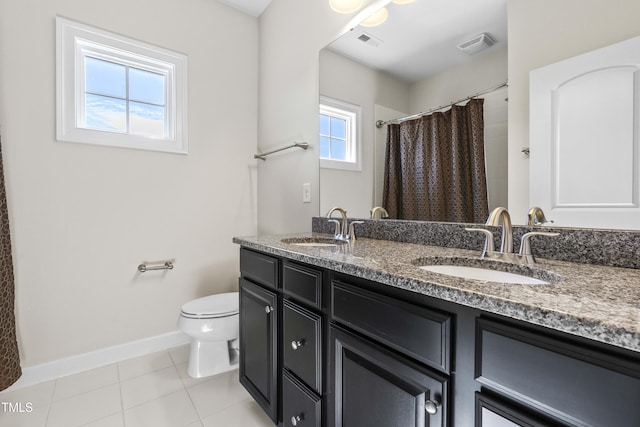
<point>480,42</point>
<point>369,39</point>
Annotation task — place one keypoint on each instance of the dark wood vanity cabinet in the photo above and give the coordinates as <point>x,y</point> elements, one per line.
<point>282,338</point>
<point>258,341</point>
<point>492,412</point>
<point>555,377</point>
<point>303,346</point>
<point>259,325</point>
<point>375,387</point>
<point>389,361</point>
<point>321,348</point>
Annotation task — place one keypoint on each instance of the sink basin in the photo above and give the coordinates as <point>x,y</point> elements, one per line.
<point>488,270</point>
<point>483,274</point>
<point>314,242</point>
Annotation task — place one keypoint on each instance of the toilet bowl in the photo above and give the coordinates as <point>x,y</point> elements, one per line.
<point>212,324</point>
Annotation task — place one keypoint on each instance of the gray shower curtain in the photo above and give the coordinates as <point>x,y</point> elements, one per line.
<point>435,167</point>
<point>10,369</point>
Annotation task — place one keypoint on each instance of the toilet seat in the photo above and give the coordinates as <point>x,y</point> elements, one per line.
<point>212,306</point>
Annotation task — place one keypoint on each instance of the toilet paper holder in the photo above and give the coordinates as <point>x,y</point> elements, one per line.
<point>166,265</point>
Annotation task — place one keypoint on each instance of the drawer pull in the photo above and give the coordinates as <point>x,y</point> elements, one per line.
<point>431,406</point>
<point>296,419</point>
<point>268,309</point>
<point>296,344</point>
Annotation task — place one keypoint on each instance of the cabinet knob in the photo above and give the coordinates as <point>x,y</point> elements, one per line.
<point>268,309</point>
<point>296,419</point>
<point>431,406</point>
<point>296,344</point>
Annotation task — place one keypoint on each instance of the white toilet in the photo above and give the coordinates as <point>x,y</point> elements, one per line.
<point>212,323</point>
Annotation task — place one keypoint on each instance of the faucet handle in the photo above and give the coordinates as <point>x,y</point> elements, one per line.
<point>352,230</point>
<point>536,217</point>
<point>525,243</point>
<point>336,231</point>
<point>488,243</point>
<point>378,210</point>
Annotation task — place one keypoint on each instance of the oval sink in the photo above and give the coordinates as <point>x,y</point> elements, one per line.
<point>488,270</point>
<point>317,242</point>
<point>483,274</point>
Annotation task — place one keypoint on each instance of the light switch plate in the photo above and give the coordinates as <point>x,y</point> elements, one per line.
<point>306,192</point>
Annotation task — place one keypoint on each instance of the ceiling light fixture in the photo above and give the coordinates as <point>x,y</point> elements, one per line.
<point>345,6</point>
<point>376,19</point>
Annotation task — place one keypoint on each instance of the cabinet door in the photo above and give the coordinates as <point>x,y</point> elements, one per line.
<point>374,387</point>
<point>258,345</point>
<point>300,407</point>
<point>302,345</point>
<point>491,412</point>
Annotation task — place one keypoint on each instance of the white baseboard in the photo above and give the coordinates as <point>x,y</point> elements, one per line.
<point>83,362</point>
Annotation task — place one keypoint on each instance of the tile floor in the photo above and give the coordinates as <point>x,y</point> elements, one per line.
<point>148,391</point>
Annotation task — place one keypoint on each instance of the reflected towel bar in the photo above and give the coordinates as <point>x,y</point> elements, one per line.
<point>263,156</point>
<point>167,265</point>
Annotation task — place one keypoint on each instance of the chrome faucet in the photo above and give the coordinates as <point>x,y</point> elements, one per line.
<point>379,212</point>
<point>536,217</point>
<point>339,234</point>
<point>346,232</point>
<point>500,216</point>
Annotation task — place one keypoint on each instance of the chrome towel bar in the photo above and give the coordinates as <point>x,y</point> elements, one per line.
<point>167,265</point>
<point>263,156</point>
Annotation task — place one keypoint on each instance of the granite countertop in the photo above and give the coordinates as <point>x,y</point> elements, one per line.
<point>597,302</point>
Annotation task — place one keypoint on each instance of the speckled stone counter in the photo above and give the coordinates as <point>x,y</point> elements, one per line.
<point>615,248</point>
<point>597,302</point>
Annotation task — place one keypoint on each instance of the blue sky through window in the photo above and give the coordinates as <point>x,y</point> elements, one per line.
<point>122,98</point>
<point>333,134</point>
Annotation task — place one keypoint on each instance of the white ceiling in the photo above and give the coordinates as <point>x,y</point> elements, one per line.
<point>418,39</point>
<point>251,7</point>
<point>421,38</point>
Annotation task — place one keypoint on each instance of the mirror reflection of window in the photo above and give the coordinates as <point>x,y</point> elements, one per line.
<point>339,134</point>
<point>333,136</point>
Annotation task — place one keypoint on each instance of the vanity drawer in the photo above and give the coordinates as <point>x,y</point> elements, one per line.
<point>491,412</point>
<point>413,330</point>
<point>303,283</point>
<point>259,267</point>
<point>299,406</point>
<point>302,344</point>
<point>557,377</point>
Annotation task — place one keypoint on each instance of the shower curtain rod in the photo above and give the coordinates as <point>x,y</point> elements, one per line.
<point>381,123</point>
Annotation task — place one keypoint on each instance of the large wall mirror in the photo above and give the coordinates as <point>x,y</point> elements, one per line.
<point>410,64</point>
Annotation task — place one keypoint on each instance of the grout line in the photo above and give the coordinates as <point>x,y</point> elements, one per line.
<point>192,402</point>
<point>157,397</point>
<point>200,418</point>
<point>124,422</point>
<point>53,391</point>
<point>102,418</point>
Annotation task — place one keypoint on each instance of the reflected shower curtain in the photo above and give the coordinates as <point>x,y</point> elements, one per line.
<point>9,358</point>
<point>435,167</point>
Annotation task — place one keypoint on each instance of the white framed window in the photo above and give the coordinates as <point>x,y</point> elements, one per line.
<point>120,92</point>
<point>339,135</point>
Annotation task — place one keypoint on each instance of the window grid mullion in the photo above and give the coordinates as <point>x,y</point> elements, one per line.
<point>127,101</point>
<point>330,136</point>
